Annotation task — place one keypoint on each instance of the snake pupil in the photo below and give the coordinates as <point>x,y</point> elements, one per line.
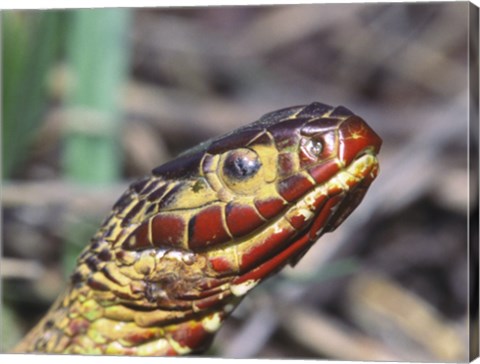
<point>314,147</point>
<point>241,164</point>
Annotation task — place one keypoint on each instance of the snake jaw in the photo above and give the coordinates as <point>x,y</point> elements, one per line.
<point>321,194</point>
<point>327,208</point>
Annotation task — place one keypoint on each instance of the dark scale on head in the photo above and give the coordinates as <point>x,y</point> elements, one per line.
<point>315,109</point>
<point>99,286</point>
<point>123,201</point>
<point>139,185</point>
<point>150,209</point>
<point>76,278</point>
<point>92,263</point>
<point>105,255</point>
<point>134,211</point>
<point>149,188</point>
<point>158,193</point>
<point>170,196</point>
<point>109,232</point>
<point>341,111</point>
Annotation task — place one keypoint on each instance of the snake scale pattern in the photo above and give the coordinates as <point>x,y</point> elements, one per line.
<point>183,246</point>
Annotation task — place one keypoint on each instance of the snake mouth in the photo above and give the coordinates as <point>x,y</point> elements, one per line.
<point>320,210</point>
<point>349,202</point>
<point>344,193</point>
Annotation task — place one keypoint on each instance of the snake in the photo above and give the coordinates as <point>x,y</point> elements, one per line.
<point>183,246</point>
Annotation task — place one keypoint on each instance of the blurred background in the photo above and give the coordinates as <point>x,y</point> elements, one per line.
<point>93,99</point>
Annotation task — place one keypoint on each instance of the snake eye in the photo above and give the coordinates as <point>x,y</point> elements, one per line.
<point>241,164</point>
<point>314,147</point>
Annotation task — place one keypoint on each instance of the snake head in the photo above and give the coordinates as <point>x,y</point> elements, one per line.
<point>307,168</point>
<point>248,197</point>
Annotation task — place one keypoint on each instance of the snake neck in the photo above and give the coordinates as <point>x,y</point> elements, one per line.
<point>133,309</point>
<point>149,302</point>
<point>85,327</point>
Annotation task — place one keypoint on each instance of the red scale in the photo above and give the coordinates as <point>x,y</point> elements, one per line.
<point>206,228</point>
<point>266,248</point>
<point>324,171</point>
<point>323,216</point>
<point>242,219</point>
<point>297,221</point>
<point>222,264</point>
<point>353,138</point>
<point>190,334</point>
<point>294,187</point>
<point>138,239</point>
<point>270,207</point>
<point>168,230</point>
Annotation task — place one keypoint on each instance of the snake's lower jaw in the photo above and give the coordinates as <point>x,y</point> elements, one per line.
<point>354,195</point>
<point>356,180</point>
<point>366,167</point>
<point>345,208</point>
